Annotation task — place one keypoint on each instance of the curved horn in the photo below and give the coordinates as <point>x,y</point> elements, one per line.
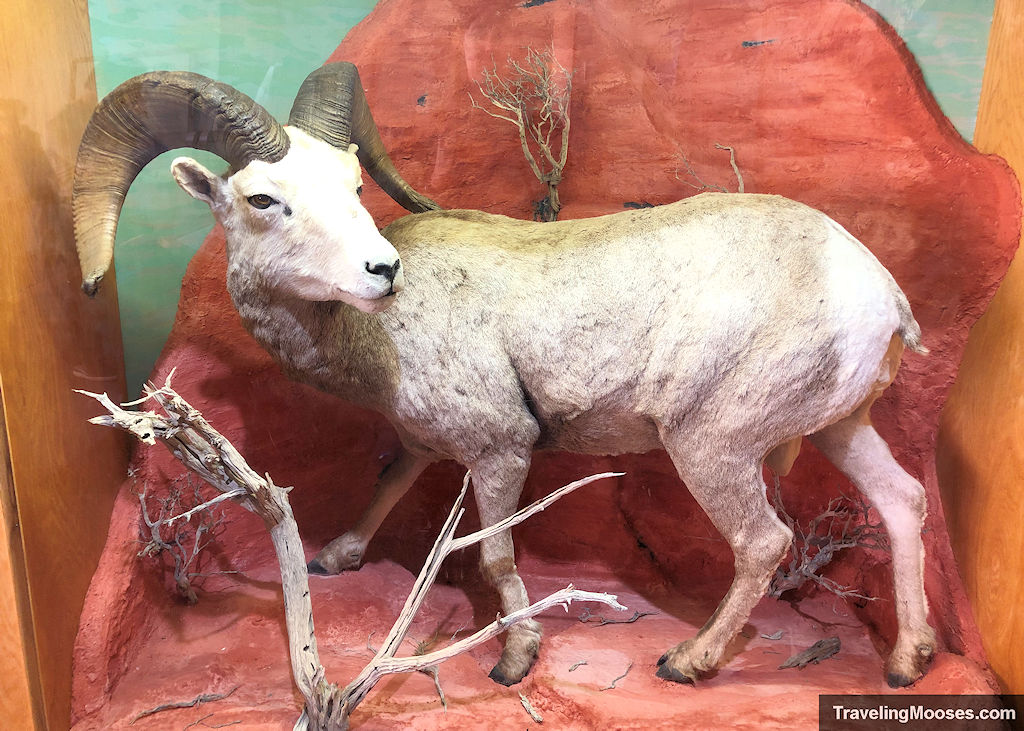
<point>332,107</point>
<point>142,118</point>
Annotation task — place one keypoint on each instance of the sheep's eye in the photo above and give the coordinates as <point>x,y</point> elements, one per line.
<point>261,201</point>
<point>359,191</point>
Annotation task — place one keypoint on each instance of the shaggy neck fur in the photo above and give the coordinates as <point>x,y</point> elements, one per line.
<point>307,340</point>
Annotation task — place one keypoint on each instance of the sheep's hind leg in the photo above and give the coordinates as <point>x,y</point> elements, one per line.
<point>497,484</point>
<point>734,499</point>
<point>854,447</point>
<point>345,553</point>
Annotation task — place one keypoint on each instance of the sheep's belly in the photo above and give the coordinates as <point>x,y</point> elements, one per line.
<point>598,432</point>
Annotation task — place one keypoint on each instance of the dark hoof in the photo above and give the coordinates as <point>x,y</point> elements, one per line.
<point>662,659</point>
<point>499,677</point>
<point>665,672</point>
<point>898,680</point>
<point>315,567</point>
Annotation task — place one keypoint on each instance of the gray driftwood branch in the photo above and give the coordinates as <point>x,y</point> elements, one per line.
<point>190,438</point>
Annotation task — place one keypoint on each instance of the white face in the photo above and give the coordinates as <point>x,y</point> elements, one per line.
<point>300,223</point>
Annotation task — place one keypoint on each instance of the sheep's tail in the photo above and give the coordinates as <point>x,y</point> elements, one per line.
<point>909,330</point>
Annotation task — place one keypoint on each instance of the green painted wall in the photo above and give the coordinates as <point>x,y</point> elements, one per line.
<point>265,49</point>
<point>949,38</point>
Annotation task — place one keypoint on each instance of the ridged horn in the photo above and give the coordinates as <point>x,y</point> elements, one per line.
<point>142,118</point>
<point>332,107</point>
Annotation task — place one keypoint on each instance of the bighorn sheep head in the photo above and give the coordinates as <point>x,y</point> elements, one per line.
<point>289,203</point>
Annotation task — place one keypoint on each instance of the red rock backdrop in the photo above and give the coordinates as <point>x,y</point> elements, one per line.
<point>820,101</point>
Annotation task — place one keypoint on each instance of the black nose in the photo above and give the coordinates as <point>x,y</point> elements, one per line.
<point>385,270</point>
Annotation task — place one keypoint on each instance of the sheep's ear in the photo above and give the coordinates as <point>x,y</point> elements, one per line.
<point>196,180</point>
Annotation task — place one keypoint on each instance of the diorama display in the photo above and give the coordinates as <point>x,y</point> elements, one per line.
<point>721,328</point>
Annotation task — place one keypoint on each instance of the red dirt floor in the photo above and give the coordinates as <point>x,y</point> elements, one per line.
<point>235,639</point>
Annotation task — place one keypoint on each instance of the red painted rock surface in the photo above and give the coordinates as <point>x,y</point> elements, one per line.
<point>822,103</point>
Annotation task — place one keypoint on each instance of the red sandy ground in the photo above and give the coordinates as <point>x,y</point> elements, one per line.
<point>234,638</point>
<point>832,111</point>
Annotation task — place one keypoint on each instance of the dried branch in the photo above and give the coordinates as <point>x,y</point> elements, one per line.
<point>535,507</point>
<point>202,722</point>
<point>434,673</point>
<point>422,647</point>
<point>586,615</point>
<point>201,448</point>
<point>820,650</point>
<point>199,699</point>
<point>194,442</point>
<point>534,98</point>
<point>735,167</point>
<point>701,185</point>
<point>624,674</point>
<point>530,709</point>
<point>185,543</point>
<point>845,523</point>
<point>187,515</point>
<point>197,722</point>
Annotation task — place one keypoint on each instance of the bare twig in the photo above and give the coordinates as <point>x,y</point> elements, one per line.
<point>732,162</point>
<point>422,647</point>
<point>820,650</point>
<point>187,515</point>
<point>535,507</point>
<point>576,665</point>
<point>530,709</point>
<point>199,699</point>
<point>624,674</point>
<point>599,621</point>
<point>701,184</point>
<point>434,673</point>
<point>197,722</point>
<point>202,722</point>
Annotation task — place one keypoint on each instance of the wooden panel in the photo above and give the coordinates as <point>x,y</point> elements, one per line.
<point>52,339</point>
<point>20,698</point>
<point>981,438</point>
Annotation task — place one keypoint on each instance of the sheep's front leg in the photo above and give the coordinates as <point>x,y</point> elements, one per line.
<point>345,553</point>
<point>733,496</point>
<point>497,484</point>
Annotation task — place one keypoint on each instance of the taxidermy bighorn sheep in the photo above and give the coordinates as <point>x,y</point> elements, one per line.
<point>723,328</point>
